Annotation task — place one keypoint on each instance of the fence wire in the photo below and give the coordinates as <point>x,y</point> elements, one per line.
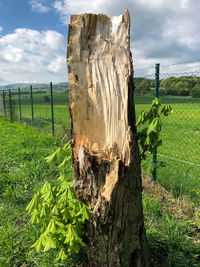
<point>178,159</point>
<point>39,114</point>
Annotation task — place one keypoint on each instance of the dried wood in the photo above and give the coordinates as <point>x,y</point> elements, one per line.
<point>106,161</point>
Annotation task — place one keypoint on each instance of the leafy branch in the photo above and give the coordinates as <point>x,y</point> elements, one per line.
<point>149,135</point>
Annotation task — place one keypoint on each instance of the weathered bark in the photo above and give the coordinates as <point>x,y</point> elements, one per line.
<point>106,161</point>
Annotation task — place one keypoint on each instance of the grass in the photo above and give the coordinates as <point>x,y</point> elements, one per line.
<point>171,223</point>
<point>172,232</point>
<point>178,158</point>
<point>23,171</point>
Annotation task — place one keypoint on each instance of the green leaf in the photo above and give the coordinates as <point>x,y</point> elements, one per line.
<point>33,203</point>
<point>69,235</point>
<point>53,227</point>
<point>144,116</point>
<point>48,228</point>
<point>71,195</point>
<point>60,224</point>
<point>74,246</point>
<point>166,110</point>
<point>55,211</point>
<point>46,188</point>
<point>67,146</point>
<point>34,216</point>
<point>38,244</point>
<point>61,255</point>
<point>66,215</point>
<point>153,126</point>
<point>156,103</point>
<point>49,243</point>
<point>43,212</point>
<point>65,162</point>
<point>148,140</point>
<point>54,156</point>
<point>85,213</point>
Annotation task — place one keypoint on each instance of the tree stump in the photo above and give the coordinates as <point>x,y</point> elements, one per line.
<point>106,163</point>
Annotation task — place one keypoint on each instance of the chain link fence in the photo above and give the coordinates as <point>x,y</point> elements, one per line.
<point>44,108</point>
<point>178,159</point>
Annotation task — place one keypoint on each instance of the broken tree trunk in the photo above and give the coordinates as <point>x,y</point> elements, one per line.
<point>105,154</point>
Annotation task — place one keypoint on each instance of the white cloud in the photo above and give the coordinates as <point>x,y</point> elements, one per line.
<point>38,6</point>
<point>62,9</point>
<point>161,31</point>
<point>65,7</point>
<point>12,54</point>
<point>30,55</point>
<point>56,65</point>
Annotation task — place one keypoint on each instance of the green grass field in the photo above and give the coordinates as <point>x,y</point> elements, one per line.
<point>171,226</point>
<point>42,111</point>
<point>178,158</point>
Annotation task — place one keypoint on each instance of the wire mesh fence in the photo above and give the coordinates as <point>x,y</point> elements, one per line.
<point>178,159</point>
<point>44,109</point>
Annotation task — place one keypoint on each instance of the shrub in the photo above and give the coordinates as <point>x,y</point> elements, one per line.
<point>196,91</point>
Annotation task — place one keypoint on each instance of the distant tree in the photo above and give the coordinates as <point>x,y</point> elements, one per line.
<point>196,91</point>
<point>137,84</point>
<point>181,85</point>
<point>167,83</point>
<point>145,86</point>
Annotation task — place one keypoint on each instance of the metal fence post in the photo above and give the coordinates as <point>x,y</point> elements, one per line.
<point>10,103</point>
<point>157,71</point>
<point>20,111</point>
<point>4,103</point>
<point>32,104</point>
<point>52,113</point>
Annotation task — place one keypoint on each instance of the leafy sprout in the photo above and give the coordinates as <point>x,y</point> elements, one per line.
<point>149,135</point>
<point>56,209</point>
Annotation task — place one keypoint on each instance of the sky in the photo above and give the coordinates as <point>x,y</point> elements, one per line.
<point>33,36</point>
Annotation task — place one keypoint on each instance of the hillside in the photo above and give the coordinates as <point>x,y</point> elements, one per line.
<point>44,86</point>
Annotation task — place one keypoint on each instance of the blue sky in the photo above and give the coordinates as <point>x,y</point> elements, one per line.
<point>22,14</point>
<point>33,35</point>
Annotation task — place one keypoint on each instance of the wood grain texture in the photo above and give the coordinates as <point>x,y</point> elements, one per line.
<point>99,70</point>
<point>106,160</point>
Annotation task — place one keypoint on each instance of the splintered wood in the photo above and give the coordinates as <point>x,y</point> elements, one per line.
<point>99,67</point>
<point>105,154</point>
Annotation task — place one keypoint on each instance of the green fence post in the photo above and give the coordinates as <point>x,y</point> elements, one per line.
<point>157,71</point>
<point>4,103</point>
<point>10,103</point>
<point>20,111</point>
<point>31,89</point>
<point>52,113</point>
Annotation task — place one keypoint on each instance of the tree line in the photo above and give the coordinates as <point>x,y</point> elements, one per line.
<point>175,86</point>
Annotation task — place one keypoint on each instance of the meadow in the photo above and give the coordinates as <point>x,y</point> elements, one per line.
<point>171,223</point>
<point>178,165</point>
